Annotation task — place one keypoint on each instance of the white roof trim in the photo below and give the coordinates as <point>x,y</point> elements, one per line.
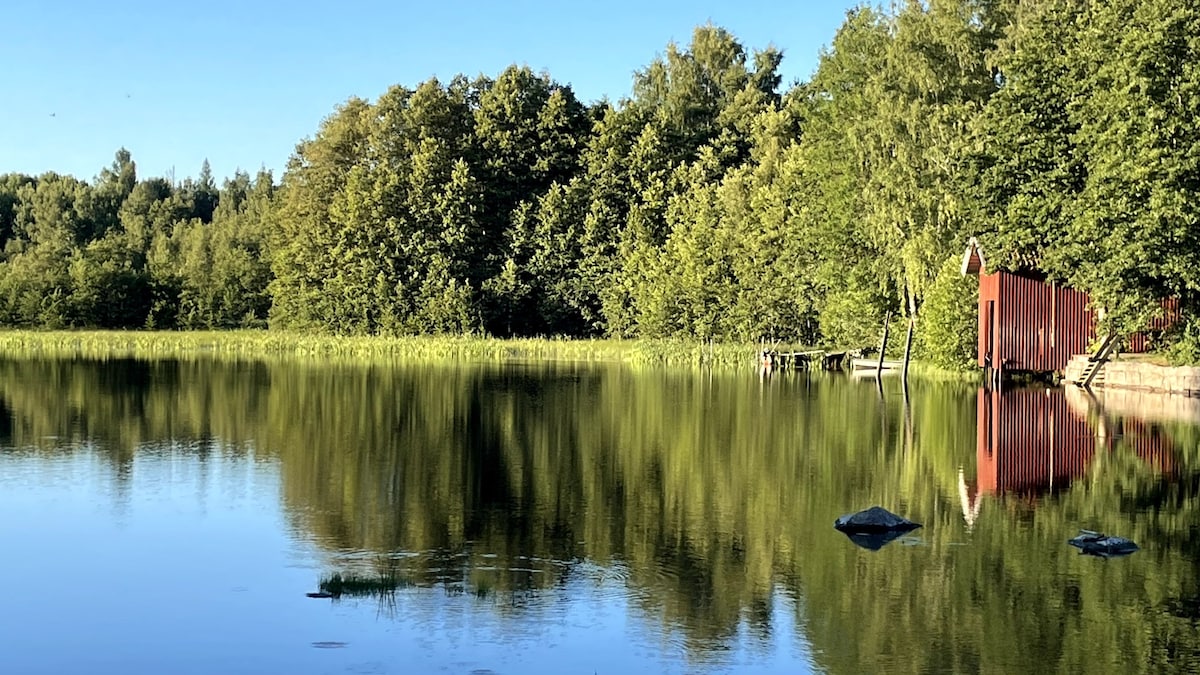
<point>974,251</point>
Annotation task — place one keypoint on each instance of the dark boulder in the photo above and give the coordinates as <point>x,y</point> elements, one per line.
<point>875,520</point>
<point>1095,543</point>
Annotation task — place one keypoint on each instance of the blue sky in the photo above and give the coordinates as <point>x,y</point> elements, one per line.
<point>240,83</point>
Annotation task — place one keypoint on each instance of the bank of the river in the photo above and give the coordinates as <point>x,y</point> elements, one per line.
<point>1140,373</point>
<point>259,344</point>
<point>1148,406</point>
<point>277,344</point>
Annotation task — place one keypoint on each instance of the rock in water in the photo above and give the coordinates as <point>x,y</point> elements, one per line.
<point>1095,543</point>
<point>874,520</point>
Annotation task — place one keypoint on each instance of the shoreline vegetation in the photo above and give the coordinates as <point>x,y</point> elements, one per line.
<point>265,344</point>
<point>277,344</point>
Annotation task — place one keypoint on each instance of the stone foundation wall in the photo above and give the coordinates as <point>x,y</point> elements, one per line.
<point>1140,376</point>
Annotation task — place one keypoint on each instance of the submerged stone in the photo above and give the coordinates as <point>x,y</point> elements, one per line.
<point>874,520</point>
<point>1096,543</point>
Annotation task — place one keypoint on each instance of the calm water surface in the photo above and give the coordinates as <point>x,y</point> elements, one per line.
<point>169,517</point>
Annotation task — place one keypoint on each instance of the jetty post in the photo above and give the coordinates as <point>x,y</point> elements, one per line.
<point>883,346</point>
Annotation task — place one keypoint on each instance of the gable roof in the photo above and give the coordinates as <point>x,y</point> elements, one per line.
<point>973,262</point>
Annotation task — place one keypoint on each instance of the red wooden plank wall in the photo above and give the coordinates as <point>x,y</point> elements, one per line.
<point>1026,324</point>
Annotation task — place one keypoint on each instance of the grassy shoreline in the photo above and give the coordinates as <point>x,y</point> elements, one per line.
<point>278,344</point>
<point>264,344</point>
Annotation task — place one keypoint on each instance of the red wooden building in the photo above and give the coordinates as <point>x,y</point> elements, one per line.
<point>1029,324</point>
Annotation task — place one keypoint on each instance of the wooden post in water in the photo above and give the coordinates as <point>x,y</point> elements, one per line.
<point>908,422</point>
<point>883,346</point>
<point>907,350</point>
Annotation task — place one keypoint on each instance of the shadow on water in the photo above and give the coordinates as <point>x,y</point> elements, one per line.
<point>699,499</point>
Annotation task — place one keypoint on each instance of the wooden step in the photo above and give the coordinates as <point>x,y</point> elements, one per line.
<point>1093,372</point>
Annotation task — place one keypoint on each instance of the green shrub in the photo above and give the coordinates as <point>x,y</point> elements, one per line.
<point>851,318</point>
<point>1183,343</point>
<point>948,326</point>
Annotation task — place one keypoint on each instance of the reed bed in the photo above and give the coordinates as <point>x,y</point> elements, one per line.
<point>251,344</point>
<point>280,345</point>
<point>931,373</point>
<point>357,585</point>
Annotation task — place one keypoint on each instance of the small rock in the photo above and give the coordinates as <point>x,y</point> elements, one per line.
<point>1098,544</point>
<point>874,520</point>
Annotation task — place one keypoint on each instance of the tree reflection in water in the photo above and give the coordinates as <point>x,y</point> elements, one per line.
<point>706,495</point>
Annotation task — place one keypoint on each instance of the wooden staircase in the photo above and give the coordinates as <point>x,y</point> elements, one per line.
<point>1093,371</point>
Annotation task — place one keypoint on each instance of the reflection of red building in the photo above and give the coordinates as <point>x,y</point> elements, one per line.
<point>1031,441</point>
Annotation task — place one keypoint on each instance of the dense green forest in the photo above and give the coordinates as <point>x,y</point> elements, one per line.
<point>713,202</point>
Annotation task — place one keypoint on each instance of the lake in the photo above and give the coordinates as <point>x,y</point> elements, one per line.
<point>170,516</point>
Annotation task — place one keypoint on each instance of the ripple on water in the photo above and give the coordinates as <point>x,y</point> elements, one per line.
<point>330,644</point>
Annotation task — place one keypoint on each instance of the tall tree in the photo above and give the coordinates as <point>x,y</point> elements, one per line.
<point>304,261</point>
<point>1136,226</point>
<point>1024,170</point>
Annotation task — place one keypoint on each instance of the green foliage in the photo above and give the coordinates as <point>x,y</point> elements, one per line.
<point>1084,164</point>
<point>710,204</point>
<point>121,253</point>
<point>107,289</point>
<point>850,318</point>
<point>1183,343</point>
<point>948,333</point>
<point>35,288</point>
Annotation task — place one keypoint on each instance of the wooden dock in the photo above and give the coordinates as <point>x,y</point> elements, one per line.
<point>813,359</point>
<point>863,362</point>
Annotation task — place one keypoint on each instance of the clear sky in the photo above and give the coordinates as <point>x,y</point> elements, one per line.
<point>239,83</point>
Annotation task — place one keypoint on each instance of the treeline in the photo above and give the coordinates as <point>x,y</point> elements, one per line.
<point>123,253</point>
<point>712,203</point>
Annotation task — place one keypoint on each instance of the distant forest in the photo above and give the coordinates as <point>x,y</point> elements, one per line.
<point>711,203</point>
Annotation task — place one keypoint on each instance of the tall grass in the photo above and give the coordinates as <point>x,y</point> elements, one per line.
<point>357,585</point>
<point>263,344</point>
<point>934,373</point>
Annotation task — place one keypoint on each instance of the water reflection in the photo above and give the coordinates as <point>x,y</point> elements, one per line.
<point>1032,441</point>
<point>518,495</point>
<point>873,541</point>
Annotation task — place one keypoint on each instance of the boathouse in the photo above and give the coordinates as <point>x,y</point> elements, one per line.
<point>1027,323</point>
